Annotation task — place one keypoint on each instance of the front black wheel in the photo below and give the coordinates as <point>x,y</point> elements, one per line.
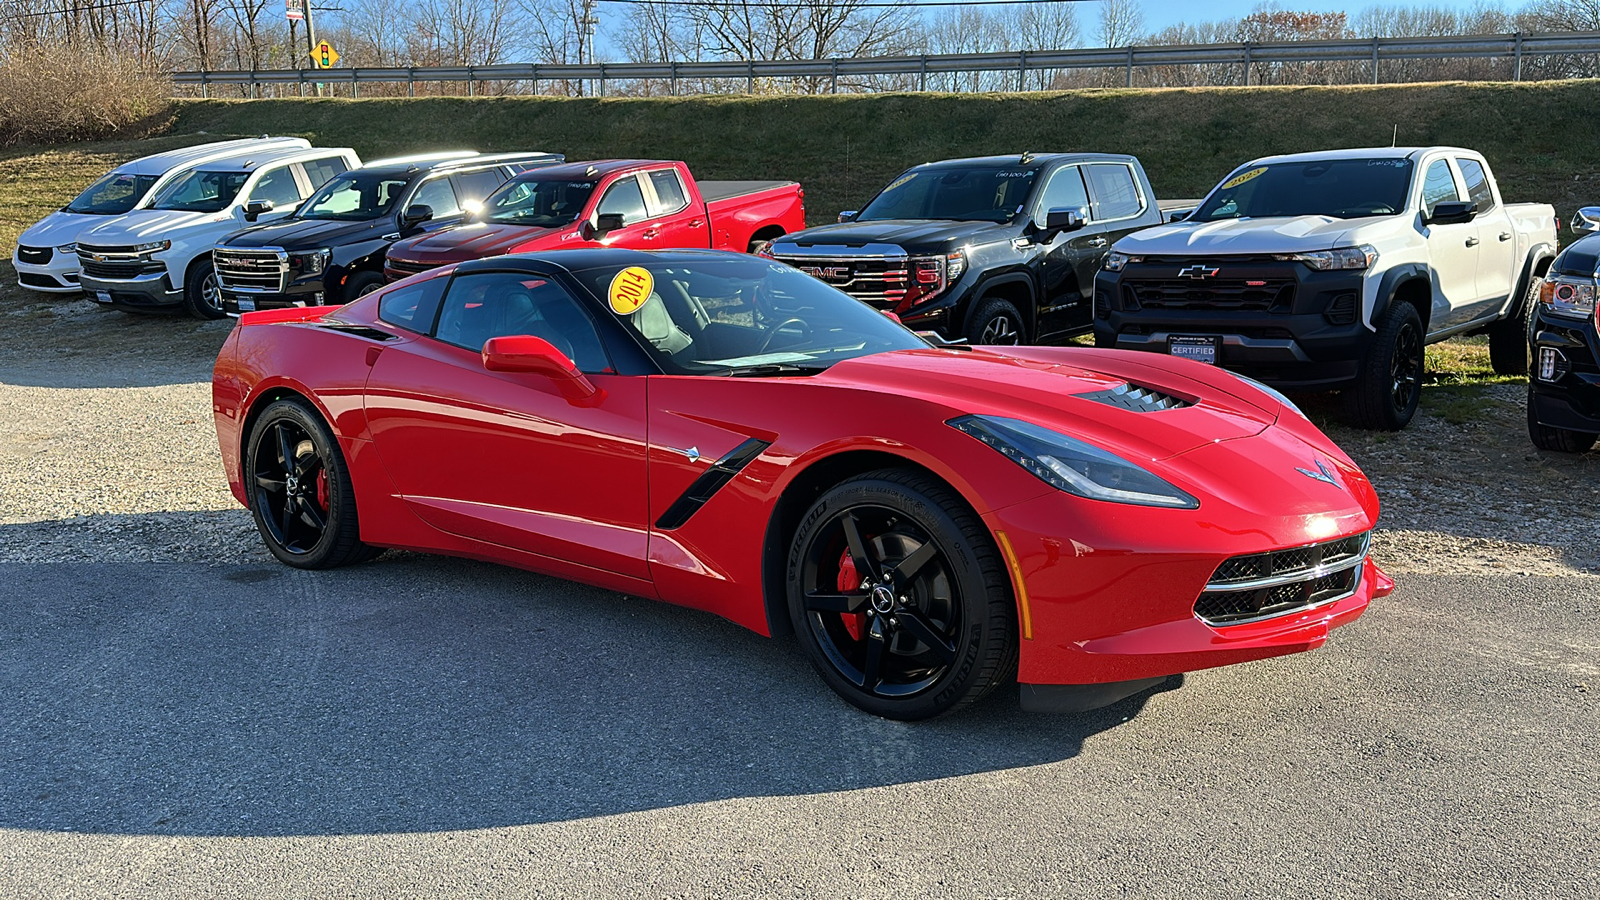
<point>996,322</point>
<point>300,490</point>
<point>1389,384</point>
<point>362,284</point>
<point>201,296</point>
<point>1560,440</point>
<point>899,597</point>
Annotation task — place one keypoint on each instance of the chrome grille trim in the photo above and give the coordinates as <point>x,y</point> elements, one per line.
<point>258,269</point>
<point>880,280</point>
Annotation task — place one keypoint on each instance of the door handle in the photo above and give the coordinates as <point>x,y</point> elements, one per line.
<point>651,233</point>
<point>1505,235</point>
<point>696,223</point>
<point>1097,242</point>
<point>1472,242</point>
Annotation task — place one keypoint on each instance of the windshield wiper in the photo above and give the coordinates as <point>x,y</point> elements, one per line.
<point>767,370</point>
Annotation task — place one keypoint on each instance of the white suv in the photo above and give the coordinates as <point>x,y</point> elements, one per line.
<point>160,256</point>
<point>46,258</point>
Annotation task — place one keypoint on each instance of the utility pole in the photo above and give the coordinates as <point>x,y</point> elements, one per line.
<point>586,24</point>
<point>311,42</point>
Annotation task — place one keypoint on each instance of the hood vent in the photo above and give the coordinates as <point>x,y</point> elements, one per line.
<point>1135,398</point>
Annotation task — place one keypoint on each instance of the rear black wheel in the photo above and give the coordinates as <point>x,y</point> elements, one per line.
<point>899,597</point>
<point>300,491</point>
<point>1560,440</point>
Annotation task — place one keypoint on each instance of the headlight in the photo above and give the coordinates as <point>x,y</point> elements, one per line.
<point>1567,297</point>
<point>1361,257</point>
<point>1071,465</point>
<point>67,249</point>
<point>1115,261</point>
<point>153,247</point>
<point>955,263</point>
<point>310,263</point>
<point>1274,393</point>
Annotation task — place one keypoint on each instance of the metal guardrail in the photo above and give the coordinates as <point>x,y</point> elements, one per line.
<point>1515,47</point>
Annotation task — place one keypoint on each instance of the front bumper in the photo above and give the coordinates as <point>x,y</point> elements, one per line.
<point>240,300</point>
<point>152,291</point>
<point>59,275</point>
<point>1569,396</point>
<point>1302,330</point>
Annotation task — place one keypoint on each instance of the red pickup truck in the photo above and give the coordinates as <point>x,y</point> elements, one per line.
<point>640,204</point>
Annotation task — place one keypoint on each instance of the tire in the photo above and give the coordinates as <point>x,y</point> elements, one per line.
<point>923,642</point>
<point>201,298</point>
<point>1560,440</point>
<point>362,284</point>
<point>1508,338</point>
<point>1104,340</point>
<point>288,510</point>
<point>996,322</point>
<point>1389,383</point>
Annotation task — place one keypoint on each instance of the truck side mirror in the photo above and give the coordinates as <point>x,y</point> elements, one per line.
<point>849,215</point>
<point>1057,220</point>
<point>1179,215</point>
<point>1451,212</point>
<point>255,209</point>
<point>1586,220</point>
<point>415,215</point>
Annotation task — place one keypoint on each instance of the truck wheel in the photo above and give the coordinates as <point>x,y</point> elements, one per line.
<point>362,284</point>
<point>1508,339</point>
<point>201,298</point>
<point>1389,383</point>
<point>1561,440</point>
<point>996,322</point>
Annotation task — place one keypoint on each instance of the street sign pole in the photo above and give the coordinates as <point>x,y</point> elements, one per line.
<point>311,42</point>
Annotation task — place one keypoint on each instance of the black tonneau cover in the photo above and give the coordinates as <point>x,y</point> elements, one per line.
<point>711,191</point>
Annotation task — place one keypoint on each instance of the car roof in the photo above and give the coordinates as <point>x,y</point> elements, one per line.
<point>166,161</point>
<point>251,160</point>
<point>583,259</point>
<point>1016,159</point>
<point>461,160</point>
<point>1357,153</point>
<point>591,168</point>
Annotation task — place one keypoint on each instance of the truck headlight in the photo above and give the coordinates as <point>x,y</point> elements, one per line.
<point>1115,261</point>
<point>1071,465</point>
<point>313,262</point>
<point>67,249</point>
<point>1361,257</point>
<point>1567,297</point>
<point>152,247</point>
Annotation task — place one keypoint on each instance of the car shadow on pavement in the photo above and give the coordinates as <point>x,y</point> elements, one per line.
<point>420,694</point>
<point>68,342</point>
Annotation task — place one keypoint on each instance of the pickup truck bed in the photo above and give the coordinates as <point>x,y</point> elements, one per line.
<point>712,191</point>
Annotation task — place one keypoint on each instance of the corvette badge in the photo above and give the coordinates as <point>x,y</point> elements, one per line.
<point>1322,474</point>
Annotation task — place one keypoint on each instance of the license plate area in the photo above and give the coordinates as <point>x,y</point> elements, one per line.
<point>1202,348</point>
<point>102,296</point>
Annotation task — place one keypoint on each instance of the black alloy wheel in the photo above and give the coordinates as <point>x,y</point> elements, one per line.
<point>202,298</point>
<point>300,492</point>
<point>362,284</point>
<point>1389,384</point>
<point>997,322</point>
<point>899,597</point>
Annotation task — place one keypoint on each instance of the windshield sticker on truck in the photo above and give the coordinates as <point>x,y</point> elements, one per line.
<point>899,181</point>
<point>1242,177</point>
<point>1391,163</point>
<point>1020,174</point>
<point>630,288</point>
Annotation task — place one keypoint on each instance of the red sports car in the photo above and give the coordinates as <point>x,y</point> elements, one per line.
<point>728,433</point>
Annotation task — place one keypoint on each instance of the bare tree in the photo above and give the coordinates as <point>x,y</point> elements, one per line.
<point>1121,23</point>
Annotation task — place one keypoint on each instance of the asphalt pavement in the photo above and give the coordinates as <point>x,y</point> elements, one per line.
<point>424,727</point>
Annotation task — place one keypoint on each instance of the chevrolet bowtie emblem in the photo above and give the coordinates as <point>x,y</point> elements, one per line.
<point>1322,474</point>
<point>1197,272</point>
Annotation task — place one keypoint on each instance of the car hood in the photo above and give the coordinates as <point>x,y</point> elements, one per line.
<point>914,235</point>
<point>59,228</point>
<point>474,240</point>
<point>305,234</point>
<point>145,225</point>
<point>1581,258</point>
<point>1056,387</point>
<point>1277,234</point>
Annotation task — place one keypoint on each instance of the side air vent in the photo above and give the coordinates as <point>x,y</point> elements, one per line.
<point>1135,398</point>
<point>365,331</point>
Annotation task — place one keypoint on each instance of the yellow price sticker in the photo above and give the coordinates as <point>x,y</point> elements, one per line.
<point>1242,177</point>
<point>630,288</point>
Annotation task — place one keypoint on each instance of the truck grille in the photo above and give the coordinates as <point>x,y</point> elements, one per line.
<point>251,270</point>
<point>1215,293</point>
<point>37,256</point>
<point>880,281</point>
<point>116,263</point>
<point>404,268</point>
<point>1263,585</point>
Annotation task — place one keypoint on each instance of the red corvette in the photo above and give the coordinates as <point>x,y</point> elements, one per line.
<point>727,433</point>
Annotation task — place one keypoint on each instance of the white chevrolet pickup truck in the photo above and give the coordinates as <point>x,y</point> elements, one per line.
<point>1332,270</point>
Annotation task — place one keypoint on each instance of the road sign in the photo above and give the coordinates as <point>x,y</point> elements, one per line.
<point>324,55</point>
<point>294,10</point>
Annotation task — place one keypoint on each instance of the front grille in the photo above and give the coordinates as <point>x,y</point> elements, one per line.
<point>880,281</point>
<point>31,279</point>
<point>35,256</point>
<point>1135,398</point>
<point>407,267</point>
<point>120,270</point>
<point>1257,294</point>
<point>1262,585</point>
<point>254,270</point>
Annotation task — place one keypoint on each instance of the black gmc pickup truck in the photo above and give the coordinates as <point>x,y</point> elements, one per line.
<point>993,250</point>
<point>331,250</point>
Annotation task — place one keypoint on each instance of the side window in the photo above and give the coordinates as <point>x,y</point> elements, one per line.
<point>279,186</point>
<point>1477,184</point>
<point>473,187</point>
<point>1116,194</point>
<point>669,191</point>
<point>1438,186</point>
<point>439,196</point>
<point>1065,190</point>
<point>318,171</point>
<point>624,197</point>
<point>412,307</point>
<point>484,305</point>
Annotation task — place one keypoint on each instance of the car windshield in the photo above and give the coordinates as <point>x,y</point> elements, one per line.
<point>112,195</point>
<point>1339,188</point>
<point>201,191</point>
<point>537,202</point>
<point>986,193</point>
<point>355,197</point>
<point>749,316</point>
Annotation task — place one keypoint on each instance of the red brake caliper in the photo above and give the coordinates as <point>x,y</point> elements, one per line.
<point>850,580</point>
<point>322,488</point>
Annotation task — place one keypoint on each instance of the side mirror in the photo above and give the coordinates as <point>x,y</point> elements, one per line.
<point>415,215</point>
<point>537,356</point>
<point>849,215</point>
<point>1057,221</point>
<point>607,222</point>
<point>1586,220</point>
<point>1451,212</point>
<point>255,209</point>
<point>1179,215</point>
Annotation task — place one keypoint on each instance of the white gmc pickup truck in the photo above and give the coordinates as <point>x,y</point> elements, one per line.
<point>1332,270</point>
